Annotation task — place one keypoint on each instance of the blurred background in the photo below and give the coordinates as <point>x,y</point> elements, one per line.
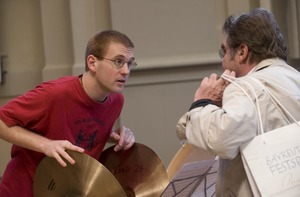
<point>176,46</point>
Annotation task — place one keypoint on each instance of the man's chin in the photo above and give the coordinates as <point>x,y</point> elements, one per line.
<point>118,90</point>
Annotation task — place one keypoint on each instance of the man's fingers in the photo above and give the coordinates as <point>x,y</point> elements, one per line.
<point>130,142</point>
<point>67,157</point>
<point>59,149</point>
<point>226,72</point>
<point>213,77</point>
<point>232,74</point>
<point>59,159</point>
<point>126,139</point>
<point>74,148</point>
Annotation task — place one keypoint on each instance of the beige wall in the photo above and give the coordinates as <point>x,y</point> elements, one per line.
<point>176,46</point>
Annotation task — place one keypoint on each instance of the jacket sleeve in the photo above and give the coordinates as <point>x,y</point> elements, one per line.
<point>222,130</point>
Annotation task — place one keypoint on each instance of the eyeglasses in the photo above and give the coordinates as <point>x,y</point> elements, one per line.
<point>222,53</point>
<point>118,63</point>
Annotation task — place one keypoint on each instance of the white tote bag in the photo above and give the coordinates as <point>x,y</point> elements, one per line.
<point>272,162</point>
<point>272,159</point>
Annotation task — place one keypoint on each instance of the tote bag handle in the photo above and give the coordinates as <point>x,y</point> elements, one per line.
<point>256,107</point>
<point>275,101</point>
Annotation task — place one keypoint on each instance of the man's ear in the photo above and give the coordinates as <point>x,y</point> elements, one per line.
<point>91,60</point>
<point>243,52</point>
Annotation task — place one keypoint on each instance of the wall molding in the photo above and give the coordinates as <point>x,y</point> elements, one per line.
<point>168,74</point>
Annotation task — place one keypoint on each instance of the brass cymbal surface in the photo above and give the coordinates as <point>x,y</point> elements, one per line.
<point>86,178</point>
<point>139,170</point>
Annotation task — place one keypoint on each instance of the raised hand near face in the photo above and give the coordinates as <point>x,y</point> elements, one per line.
<point>212,87</point>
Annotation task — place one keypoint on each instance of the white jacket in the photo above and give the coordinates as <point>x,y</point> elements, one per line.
<point>223,130</point>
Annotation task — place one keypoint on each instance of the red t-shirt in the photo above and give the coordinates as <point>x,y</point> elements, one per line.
<point>59,110</point>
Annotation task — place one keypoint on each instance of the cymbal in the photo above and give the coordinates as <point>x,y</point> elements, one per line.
<point>86,178</point>
<point>139,170</point>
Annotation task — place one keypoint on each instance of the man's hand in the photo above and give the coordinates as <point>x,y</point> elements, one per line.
<point>213,87</point>
<point>30,140</point>
<point>57,149</point>
<point>124,138</point>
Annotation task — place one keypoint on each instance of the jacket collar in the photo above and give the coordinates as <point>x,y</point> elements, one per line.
<point>267,62</point>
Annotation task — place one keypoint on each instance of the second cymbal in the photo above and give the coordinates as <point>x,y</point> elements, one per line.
<point>139,170</point>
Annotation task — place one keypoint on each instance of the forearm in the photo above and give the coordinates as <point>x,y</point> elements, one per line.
<point>22,137</point>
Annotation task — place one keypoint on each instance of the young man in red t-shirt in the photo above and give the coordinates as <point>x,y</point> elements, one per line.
<point>71,113</point>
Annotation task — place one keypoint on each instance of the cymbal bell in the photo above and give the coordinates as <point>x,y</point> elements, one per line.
<point>86,178</point>
<point>139,170</point>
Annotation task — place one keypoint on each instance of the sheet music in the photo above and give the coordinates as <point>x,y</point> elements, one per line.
<point>194,179</point>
